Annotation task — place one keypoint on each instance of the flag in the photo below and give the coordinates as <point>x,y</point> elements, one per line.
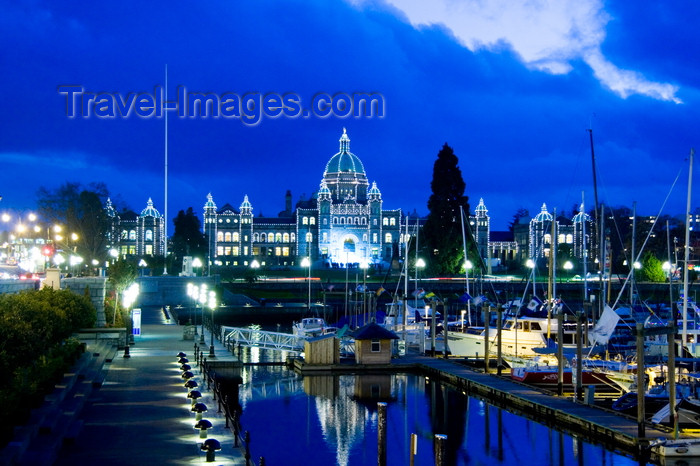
<point>419,293</point>
<point>429,295</point>
<point>604,327</point>
<point>464,298</point>
<point>380,291</point>
<point>478,300</point>
<point>535,302</point>
<point>361,288</point>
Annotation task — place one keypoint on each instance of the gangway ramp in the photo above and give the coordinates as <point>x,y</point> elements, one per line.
<point>277,341</point>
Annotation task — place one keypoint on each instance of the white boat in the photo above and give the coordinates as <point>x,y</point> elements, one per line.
<point>310,327</point>
<point>519,338</point>
<point>677,448</point>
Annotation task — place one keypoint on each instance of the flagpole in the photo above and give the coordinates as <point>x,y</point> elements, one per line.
<point>165,212</point>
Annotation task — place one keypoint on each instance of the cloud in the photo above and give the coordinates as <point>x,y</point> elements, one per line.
<point>547,36</point>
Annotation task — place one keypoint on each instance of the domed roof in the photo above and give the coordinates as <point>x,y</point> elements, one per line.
<point>324,189</point>
<point>581,216</point>
<point>246,205</point>
<point>543,216</point>
<point>344,161</point>
<point>481,208</point>
<point>210,202</point>
<point>150,211</point>
<point>374,191</point>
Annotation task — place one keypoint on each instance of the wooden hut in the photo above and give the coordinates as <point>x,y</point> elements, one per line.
<point>373,344</point>
<point>322,350</point>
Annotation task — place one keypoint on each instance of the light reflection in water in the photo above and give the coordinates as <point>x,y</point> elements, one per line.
<point>325,419</point>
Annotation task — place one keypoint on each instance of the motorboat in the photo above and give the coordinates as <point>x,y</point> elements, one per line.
<point>310,327</point>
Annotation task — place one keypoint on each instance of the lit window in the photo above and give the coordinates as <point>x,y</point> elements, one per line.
<point>235,250</point>
<point>392,221</point>
<point>325,221</point>
<point>547,238</point>
<point>132,235</point>
<point>374,222</point>
<point>149,249</point>
<point>263,238</point>
<point>256,237</point>
<point>364,238</point>
<point>285,251</point>
<point>132,250</point>
<point>387,238</point>
<point>285,238</point>
<point>312,221</point>
<point>374,237</point>
<point>149,236</point>
<point>227,250</point>
<point>309,237</point>
<point>220,236</point>
<point>305,220</point>
<point>125,234</point>
<point>235,237</point>
<point>278,251</point>
<point>292,237</point>
<point>570,238</point>
<point>385,221</point>
<point>278,237</point>
<point>325,237</point>
<point>227,237</point>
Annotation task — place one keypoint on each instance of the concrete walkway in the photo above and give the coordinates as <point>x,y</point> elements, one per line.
<point>141,415</point>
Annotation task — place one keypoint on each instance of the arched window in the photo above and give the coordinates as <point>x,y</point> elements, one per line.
<point>235,236</point>
<point>292,237</point>
<point>385,221</point>
<point>220,236</point>
<point>132,235</point>
<point>392,221</point>
<point>285,238</point>
<point>309,237</point>
<point>256,237</point>
<point>325,221</point>
<point>325,237</point>
<point>278,237</point>
<point>125,234</point>
<point>547,238</point>
<point>364,220</point>
<point>312,220</point>
<point>561,238</point>
<point>364,238</point>
<point>263,237</point>
<point>387,238</point>
<point>335,221</point>
<point>149,235</point>
<point>342,220</point>
<point>570,238</point>
<point>227,236</point>
<point>305,220</point>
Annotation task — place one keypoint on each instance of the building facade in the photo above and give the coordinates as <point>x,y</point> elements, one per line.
<point>344,222</point>
<point>139,235</point>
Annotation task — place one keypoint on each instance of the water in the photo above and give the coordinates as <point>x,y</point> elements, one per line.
<point>326,420</point>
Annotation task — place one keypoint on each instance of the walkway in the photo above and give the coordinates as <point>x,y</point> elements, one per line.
<point>141,415</point>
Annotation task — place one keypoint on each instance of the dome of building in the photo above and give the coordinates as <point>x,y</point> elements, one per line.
<point>543,216</point>
<point>344,161</point>
<point>150,211</point>
<point>481,209</point>
<point>374,191</point>
<point>581,216</point>
<point>210,202</point>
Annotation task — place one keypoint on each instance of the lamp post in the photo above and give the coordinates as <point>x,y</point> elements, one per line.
<point>191,290</point>
<point>568,266</point>
<point>142,266</point>
<point>420,264</point>
<point>196,263</point>
<point>363,267</point>
<point>306,262</point>
<point>202,297</point>
<point>530,264</point>
<point>467,266</point>
<point>211,302</point>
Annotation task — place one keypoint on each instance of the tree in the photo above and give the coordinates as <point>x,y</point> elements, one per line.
<point>188,239</point>
<point>120,275</point>
<point>652,270</point>
<point>520,214</point>
<point>442,233</point>
<point>80,211</point>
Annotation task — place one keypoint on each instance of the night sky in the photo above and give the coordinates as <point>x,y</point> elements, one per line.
<point>513,87</point>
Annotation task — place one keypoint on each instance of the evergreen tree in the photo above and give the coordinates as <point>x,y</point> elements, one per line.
<point>442,233</point>
<point>188,239</point>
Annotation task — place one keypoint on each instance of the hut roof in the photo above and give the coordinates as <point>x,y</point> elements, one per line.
<point>373,331</point>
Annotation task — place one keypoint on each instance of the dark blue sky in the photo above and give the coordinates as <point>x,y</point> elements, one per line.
<point>512,88</point>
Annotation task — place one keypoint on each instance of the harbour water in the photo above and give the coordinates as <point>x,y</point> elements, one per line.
<point>332,419</point>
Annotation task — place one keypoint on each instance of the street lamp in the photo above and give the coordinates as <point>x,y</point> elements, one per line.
<point>142,265</point>
<point>568,266</point>
<point>306,262</point>
<point>191,292</point>
<point>196,263</point>
<point>212,305</point>
<point>202,297</point>
<point>530,264</point>
<point>420,263</point>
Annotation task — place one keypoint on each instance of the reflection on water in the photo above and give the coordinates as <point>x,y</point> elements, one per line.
<point>325,420</point>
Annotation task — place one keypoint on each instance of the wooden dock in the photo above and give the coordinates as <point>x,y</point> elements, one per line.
<point>593,424</point>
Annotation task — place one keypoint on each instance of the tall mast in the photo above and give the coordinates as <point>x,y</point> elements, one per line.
<point>632,258</point>
<point>687,251</point>
<point>165,212</point>
<point>595,195</point>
